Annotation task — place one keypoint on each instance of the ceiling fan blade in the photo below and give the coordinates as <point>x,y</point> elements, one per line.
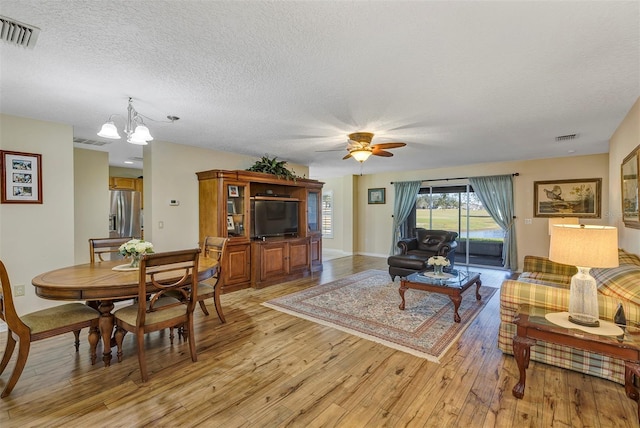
<point>378,152</point>
<point>347,156</point>
<point>331,150</point>
<point>389,145</point>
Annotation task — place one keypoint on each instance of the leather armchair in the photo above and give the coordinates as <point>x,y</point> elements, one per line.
<point>429,243</point>
<point>417,250</point>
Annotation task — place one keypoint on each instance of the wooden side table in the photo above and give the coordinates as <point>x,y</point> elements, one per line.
<point>532,326</point>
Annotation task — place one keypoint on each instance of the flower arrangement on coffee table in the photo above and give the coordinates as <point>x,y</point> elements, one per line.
<point>438,263</point>
<point>135,248</point>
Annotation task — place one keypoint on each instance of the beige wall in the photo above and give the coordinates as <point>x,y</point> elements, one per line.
<point>170,173</point>
<point>117,171</point>
<point>372,228</point>
<point>625,139</point>
<point>91,199</point>
<point>343,214</point>
<point>35,238</point>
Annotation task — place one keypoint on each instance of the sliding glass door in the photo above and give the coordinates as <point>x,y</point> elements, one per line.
<point>458,209</point>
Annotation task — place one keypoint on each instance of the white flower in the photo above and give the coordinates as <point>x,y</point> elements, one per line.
<point>438,261</point>
<point>136,247</point>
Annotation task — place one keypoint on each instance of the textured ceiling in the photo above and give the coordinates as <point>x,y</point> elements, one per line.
<point>459,82</point>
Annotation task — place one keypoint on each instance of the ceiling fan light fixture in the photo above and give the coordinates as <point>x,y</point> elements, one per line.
<point>361,155</point>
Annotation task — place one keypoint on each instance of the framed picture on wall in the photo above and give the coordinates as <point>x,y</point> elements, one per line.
<point>629,171</point>
<point>568,198</point>
<point>377,196</point>
<point>21,178</point>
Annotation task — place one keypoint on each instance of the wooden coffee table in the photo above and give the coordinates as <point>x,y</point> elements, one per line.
<point>453,285</point>
<point>532,325</point>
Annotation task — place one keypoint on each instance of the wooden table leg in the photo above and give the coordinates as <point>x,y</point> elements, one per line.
<point>522,352</point>
<point>631,371</point>
<point>456,299</point>
<point>401,290</point>
<point>478,284</point>
<point>106,329</point>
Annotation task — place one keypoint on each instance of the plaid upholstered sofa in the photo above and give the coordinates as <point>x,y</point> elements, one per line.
<point>546,284</point>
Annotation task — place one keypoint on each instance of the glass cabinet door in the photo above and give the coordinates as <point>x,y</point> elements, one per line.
<point>313,211</point>
<point>236,210</point>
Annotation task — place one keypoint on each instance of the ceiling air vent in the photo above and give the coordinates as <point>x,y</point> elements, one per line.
<point>566,137</point>
<point>18,33</point>
<point>90,142</point>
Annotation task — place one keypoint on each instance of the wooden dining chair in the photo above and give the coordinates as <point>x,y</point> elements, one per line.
<point>161,273</point>
<point>70,317</point>
<point>213,247</point>
<point>103,246</point>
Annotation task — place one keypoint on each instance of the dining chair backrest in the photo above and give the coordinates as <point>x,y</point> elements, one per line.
<point>166,273</point>
<point>7,309</point>
<point>102,246</point>
<point>214,247</point>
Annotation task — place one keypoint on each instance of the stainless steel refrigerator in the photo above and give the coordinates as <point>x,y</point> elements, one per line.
<point>125,218</point>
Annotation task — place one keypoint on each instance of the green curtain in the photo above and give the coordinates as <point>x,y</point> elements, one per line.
<point>496,194</point>
<point>405,199</point>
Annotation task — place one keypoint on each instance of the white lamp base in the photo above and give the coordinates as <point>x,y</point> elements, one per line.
<point>583,299</point>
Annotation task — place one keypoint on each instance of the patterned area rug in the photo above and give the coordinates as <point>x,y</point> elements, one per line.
<point>366,305</point>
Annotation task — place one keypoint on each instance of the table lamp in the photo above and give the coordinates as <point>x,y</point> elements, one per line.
<point>562,220</point>
<point>585,247</point>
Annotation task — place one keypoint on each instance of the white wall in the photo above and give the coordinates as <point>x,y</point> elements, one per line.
<point>170,173</point>
<point>91,199</point>
<point>624,139</point>
<point>36,238</point>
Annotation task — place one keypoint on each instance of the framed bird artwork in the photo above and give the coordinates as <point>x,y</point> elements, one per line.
<point>568,198</point>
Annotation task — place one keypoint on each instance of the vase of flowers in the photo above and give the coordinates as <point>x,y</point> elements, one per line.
<point>438,263</point>
<point>135,249</point>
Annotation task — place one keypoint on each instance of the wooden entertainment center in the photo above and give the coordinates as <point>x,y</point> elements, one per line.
<point>225,210</point>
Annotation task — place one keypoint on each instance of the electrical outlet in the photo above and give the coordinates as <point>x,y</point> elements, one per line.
<point>18,290</point>
<point>527,221</point>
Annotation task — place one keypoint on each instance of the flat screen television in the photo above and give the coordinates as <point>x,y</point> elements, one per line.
<point>274,218</point>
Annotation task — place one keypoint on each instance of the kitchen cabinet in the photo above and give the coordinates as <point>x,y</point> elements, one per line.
<point>128,183</point>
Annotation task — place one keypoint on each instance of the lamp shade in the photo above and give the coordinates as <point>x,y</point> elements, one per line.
<point>562,220</point>
<point>361,155</point>
<point>110,131</point>
<point>135,139</point>
<point>588,246</point>
<point>142,133</point>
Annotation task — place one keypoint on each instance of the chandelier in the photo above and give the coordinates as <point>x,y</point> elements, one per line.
<point>137,132</point>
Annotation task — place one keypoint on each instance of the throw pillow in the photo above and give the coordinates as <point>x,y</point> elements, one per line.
<point>622,282</point>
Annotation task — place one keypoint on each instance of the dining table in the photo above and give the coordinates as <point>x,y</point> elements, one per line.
<point>101,284</point>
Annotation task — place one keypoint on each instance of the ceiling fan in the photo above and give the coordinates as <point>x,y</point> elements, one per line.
<point>360,148</point>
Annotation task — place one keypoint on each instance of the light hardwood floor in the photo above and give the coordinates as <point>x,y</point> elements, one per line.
<point>264,368</point>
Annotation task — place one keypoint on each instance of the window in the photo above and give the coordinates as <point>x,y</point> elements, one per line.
<point>327,214</point>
